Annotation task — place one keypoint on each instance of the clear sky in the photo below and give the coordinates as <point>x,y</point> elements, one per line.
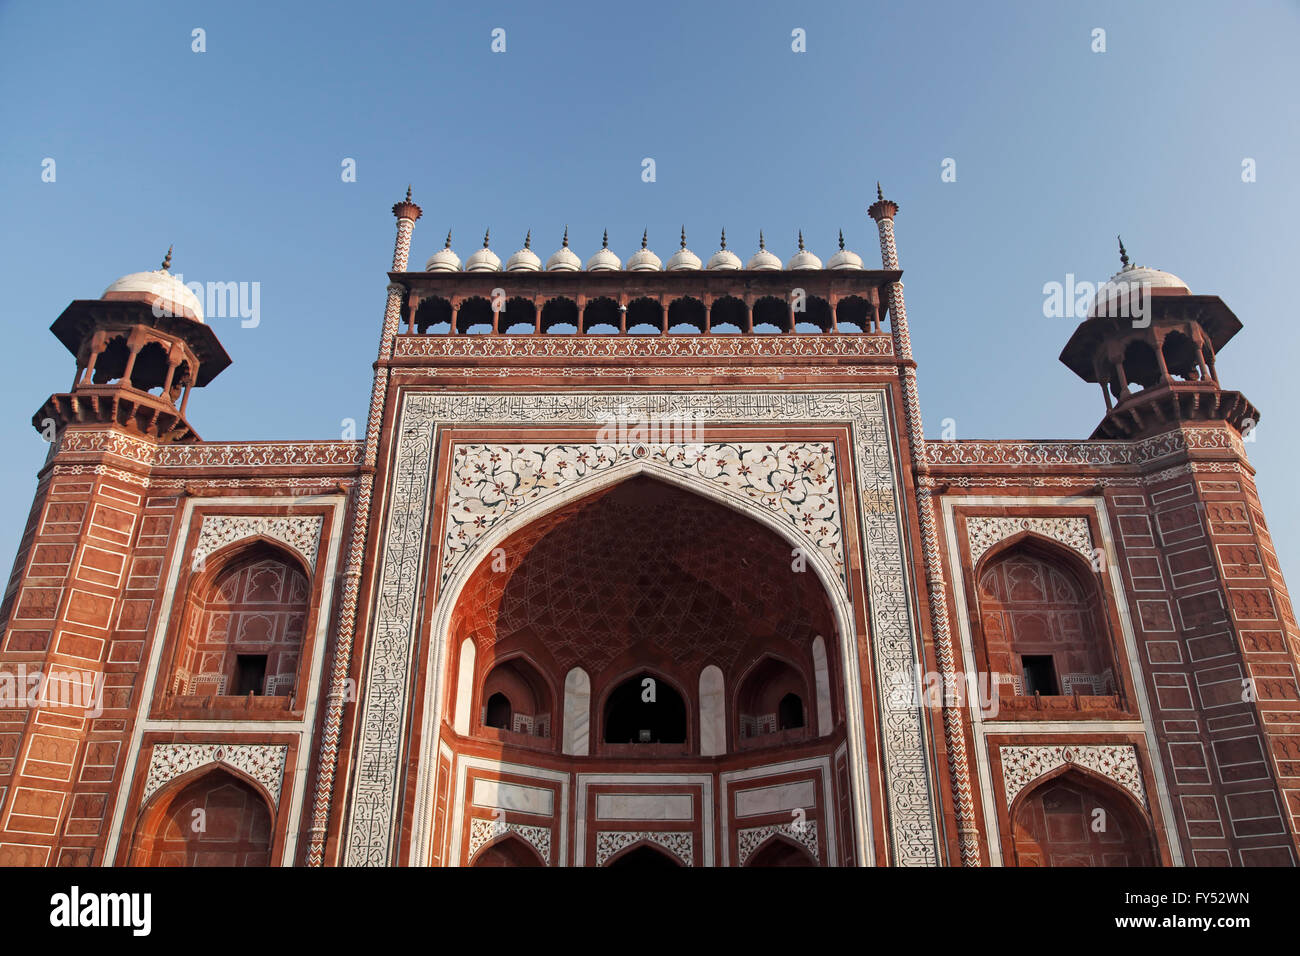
<point>235,155</point>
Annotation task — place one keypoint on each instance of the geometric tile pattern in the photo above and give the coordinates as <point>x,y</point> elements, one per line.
<point>481,831</point>
<point>299,532</point>
<point>680,844</point>
<point>985,532</point>
<point>750,840</point>
<point>795,480</point>
<point>263,762</point>
<point>1021,766</point>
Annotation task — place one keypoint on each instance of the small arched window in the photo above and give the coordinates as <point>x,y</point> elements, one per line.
<point>771,701</point>
<point>498,711</point>
<point>790,712</point>
<point>516,699</point>
<point>645,710</point>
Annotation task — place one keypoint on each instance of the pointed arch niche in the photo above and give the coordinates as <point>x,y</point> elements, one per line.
<point>636,615</point>
<point>1075,818</point>
<point>243,628</point>
<point>1041,621</point>
<point>213,817</point>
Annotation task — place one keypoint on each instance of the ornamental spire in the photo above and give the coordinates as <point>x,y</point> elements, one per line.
<point>1123,253</point>
<point>724,238</point>
<point>841,240</point>
<point>801,240</point>
<point>528,240</point>
<point>565,244</point>
<point>683,236</point>
<point>761,245</point>
<point>167,261</point>
<point>644,233</point>
<point>604,241</point>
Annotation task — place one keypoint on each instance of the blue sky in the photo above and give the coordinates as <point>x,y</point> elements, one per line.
<point>234,155</point>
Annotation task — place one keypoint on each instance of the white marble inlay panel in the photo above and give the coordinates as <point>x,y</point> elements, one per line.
<point>577,712</point>
<point>778,799</point>
<point>513,796</point>
<point>645,806</point>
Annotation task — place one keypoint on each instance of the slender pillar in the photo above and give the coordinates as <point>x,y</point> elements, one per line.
<point>883,212</point>
<point>407,213</point>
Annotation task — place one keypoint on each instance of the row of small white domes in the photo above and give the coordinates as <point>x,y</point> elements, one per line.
<point>643,260</point>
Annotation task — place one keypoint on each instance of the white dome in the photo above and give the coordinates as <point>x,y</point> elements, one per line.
<point>803,259</point>
<point>643,260</point>
<point>1131,279</point>
<point>444,260</point>
<point>683,259</point>
<point>483,260</point>
<point>564,260</point>
<point>845,258</point>
<point>1151,278</point>
<point>164,289</point>
<point>763,259</point>
<point>724,258</point>
<point>525,260</point>
<point>604,260</point>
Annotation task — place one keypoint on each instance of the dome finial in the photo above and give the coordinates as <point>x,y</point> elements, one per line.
<point>565,244</point>
<point>644,233</point>
<point>761,245</point>
<point>604,240</point>
<point>724,237</point>
<point>841,240</point>
<point>528,240</point>
<point>1123,253</point>
<point>408,192</point>
<point>167,261</point>
<point>683,236</point>
<point>447,244</point>
<point>801,240</point>
<point>486,234</point>
<point>879,195</point>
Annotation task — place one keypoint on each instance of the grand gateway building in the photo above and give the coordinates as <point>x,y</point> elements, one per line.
<point>646,563</point>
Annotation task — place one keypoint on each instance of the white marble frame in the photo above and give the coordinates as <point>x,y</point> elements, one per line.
<point>311,698</point>
<point>982,729</point>
<point>704,816</point>
<point>906,772</point>
<point>829,815</point>
<point>458,803</point>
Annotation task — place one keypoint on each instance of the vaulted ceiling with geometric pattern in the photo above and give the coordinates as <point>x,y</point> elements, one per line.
<point>644,573</point>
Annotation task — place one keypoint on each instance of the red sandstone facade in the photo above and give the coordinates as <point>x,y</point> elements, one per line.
<point>615,578</point>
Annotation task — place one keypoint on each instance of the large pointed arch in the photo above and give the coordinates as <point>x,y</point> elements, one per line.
<point>828,577</point>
